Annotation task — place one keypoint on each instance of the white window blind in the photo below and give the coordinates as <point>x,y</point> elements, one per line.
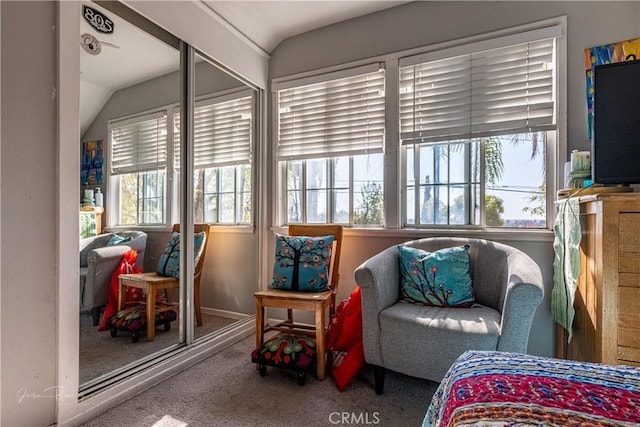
<point>337,117</point>
<point>504,90</point>
<point>222,132</point>
<point>139,144</point>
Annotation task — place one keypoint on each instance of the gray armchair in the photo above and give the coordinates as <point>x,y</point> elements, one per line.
<point>424,341</point>
<point>97,264</point>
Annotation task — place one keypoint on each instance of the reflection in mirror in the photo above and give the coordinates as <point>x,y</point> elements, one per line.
<point>224,144</point>
<point>130,82</point>
<point>130,105</point>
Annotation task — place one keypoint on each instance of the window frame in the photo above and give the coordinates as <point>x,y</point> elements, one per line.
<point>113,180</point>
<point>394,174</point>
<point>172,172</point>
<point>281,160</point>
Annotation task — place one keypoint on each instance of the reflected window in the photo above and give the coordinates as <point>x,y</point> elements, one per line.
<point>138,168</point>
<point>222,158</point>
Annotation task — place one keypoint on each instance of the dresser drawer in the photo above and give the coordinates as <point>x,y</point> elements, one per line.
<point>629,233</point>
<point>629,317</point>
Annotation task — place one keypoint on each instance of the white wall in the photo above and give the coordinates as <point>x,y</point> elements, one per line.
<point>424,23</point>
<point>29,219</point>
<point>32,186</point>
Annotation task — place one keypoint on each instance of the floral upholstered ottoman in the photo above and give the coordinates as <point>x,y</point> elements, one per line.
<point>134,319</point>
<point>286,350</point>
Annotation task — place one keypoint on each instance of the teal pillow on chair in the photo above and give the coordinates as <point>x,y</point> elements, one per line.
<point>169,262</point>
<point>439,278</point>
<point>118,240</point>
<point>302,263</point>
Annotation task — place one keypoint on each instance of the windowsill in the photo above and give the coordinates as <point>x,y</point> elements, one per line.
<point>232,229</point>
<point>527,235</point>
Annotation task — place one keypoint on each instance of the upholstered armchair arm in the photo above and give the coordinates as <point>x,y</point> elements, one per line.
<point>102,262</point>
<point>90,243</point>
<point>379,280</point>
<point>523,295</point>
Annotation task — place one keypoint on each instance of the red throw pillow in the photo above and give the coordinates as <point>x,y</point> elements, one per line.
<point>345,328</point>
<point>345,365</point>
<point>127,266</point>
<point>344,340</point>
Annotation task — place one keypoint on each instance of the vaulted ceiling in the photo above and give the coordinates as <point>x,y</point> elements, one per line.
<point>128,55</point>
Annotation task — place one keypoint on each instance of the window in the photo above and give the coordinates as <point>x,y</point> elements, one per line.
<point>138,168</point>
<point>476,122</point>
<point>330,137</point>
<point>223,143</point>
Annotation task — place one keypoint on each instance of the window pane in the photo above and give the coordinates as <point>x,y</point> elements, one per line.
<point>245,208</point>
<point>211,208</point>
<point>151,197</point>
<point>129,199</point>
<point>341,167</point>
<point>245,178</point>
<point>427,205</point>
<point>515,190</point>
<point>317,206</point>
<point>441,202</point>
<point>294,206</point>
<point>317,174</point>
<point>410,169</point>
<point>211,180</point>
<point>227,207</point>
<point>368,173</point>
<point>411,206</point>
<point>227,179</point>
<point>458,164</point>
<point>341,206</point>
<point>458,211</point>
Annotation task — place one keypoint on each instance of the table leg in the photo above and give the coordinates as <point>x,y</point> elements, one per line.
<point>151,313</point>
<point>121,294</point>
<point>320,357</point>
<point>259,322</point>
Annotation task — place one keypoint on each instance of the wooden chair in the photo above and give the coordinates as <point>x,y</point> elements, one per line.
<point>153,282</point>
<point>314,301</point>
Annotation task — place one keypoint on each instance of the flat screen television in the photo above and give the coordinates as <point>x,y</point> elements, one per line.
<point>615,148</point>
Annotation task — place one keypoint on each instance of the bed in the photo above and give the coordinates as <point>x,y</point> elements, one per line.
<point>488,388</point>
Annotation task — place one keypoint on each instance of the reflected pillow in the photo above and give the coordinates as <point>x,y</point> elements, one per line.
<point>169,262</point>
<point>439,278</point>
<point>302,263</point>
<point>118,240</point>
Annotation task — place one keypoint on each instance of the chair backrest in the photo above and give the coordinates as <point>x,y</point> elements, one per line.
<point>197,228</point>
<point>323,230</point>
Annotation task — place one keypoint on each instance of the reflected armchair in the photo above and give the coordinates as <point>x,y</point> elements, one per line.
<point>98,261</point>
<point>424,341</point>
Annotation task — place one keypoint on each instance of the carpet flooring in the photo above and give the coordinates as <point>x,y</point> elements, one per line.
<point>226,390</point>
<point>100,353</point>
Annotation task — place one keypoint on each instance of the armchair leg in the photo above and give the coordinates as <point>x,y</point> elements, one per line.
<point>378,374</point>
<point>95,315</point>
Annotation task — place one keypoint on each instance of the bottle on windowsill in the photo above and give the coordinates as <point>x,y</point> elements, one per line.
<point>99,198</point>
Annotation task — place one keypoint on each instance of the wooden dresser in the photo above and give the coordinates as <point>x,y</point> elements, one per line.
<point>607,321</point>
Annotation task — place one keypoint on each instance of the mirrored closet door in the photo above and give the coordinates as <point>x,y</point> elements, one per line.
<point>131,82</point>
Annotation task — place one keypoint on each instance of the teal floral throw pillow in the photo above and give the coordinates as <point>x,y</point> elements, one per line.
<point>169,262</point>
<point>302,263</point>
<point>439,278</point>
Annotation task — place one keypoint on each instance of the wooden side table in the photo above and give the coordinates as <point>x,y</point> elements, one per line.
<point>151,283</point>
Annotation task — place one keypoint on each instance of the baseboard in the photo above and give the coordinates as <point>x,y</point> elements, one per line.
<point>158,371</point>
<point>223,313</point>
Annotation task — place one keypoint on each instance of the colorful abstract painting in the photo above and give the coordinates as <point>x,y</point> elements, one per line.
<point>91,165</point>
<point>627,50</point>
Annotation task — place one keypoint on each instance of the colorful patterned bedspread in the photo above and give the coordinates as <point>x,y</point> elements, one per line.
<point>485,388</point>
